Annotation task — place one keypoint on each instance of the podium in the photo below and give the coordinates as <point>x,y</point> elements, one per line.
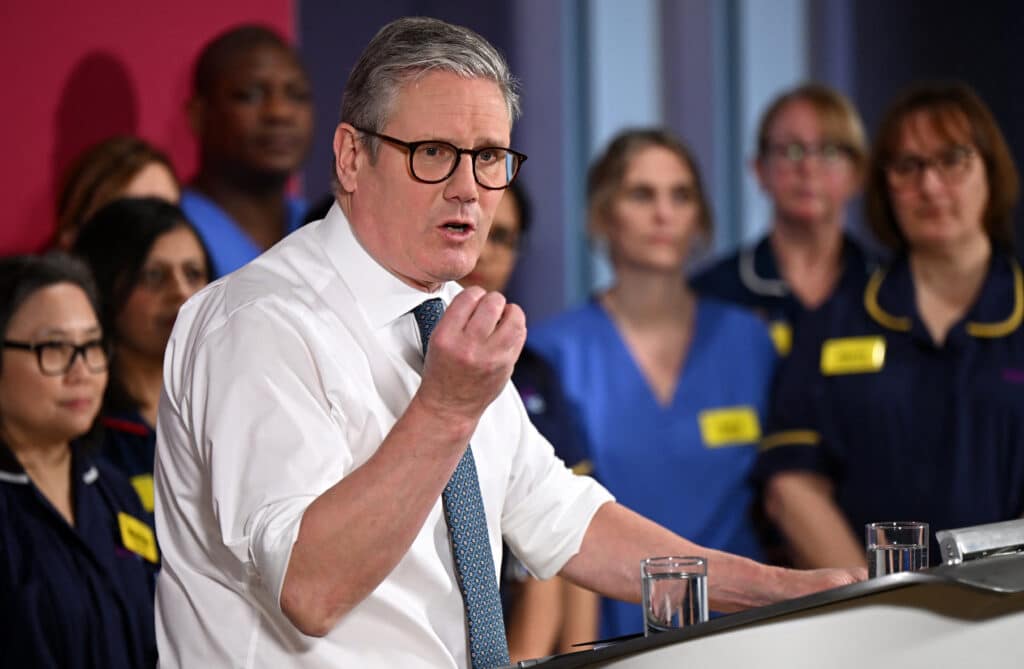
<point>965,615</point>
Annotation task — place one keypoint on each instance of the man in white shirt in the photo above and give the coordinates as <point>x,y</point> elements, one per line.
<point>305,440</point>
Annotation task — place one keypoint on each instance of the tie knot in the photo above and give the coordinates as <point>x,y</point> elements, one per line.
<point>427,315</point>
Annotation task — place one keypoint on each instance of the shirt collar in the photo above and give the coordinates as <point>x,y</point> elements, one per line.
<point>759,271</point>
<point>998,311</point>
<point>11,470</point>
<point>382,296</point>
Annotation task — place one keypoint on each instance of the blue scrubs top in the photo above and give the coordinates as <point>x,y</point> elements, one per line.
<point>230,247</point>
<point>72,597</point>
<point>750,278</point>
<point>907,429</point>
<point>129,443</point>
<point>675,464</point>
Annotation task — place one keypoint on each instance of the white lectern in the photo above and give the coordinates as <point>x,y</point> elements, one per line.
<point>967,615</point>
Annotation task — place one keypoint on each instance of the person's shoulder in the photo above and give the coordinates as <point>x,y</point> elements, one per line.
<point>571,319</point>
<point>566,333</point>
<point>724,270</point>
<point>735,316</point>
<point>730,323</point>
<point>564,328</point>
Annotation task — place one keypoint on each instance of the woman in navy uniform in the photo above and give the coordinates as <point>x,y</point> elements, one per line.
<point>77,564</point>
<point>147,259</point>
<point>811,156</point>
<point>903,398</point>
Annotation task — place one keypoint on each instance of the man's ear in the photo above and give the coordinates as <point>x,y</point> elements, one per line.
<point>349,156</point>
<point>195,109</point>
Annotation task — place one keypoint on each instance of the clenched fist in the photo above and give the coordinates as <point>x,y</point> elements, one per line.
<point>472,352</point>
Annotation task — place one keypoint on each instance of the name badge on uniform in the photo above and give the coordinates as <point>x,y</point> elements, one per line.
<point>143,484</point>
<point>782,337</point>
<point>852,355</point>
<point>730,426</point>
<point>137,536</point>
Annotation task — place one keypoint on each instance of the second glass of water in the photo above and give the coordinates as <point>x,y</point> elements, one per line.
<point>675,592</point>
<point>896,546</point>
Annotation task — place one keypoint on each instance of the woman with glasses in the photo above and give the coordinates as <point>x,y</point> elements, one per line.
<point>903,398</point>
<point>670,386</point>
<point>77,563</point>
<point>810,161</point>
<point>147,259</point>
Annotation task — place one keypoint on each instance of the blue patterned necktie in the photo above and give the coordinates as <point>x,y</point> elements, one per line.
<point>471,548</point>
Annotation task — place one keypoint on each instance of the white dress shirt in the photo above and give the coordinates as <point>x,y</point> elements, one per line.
<point>280,380</point>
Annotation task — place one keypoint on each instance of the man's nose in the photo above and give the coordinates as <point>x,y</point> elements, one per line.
<point>462,184</point>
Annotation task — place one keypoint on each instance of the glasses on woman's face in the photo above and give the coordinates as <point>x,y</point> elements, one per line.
<point>951,164</point>
<point>432,161</point>
<point>56,358</point>
<point>791,154</point>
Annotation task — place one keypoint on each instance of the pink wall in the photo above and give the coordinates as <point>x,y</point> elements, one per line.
<point>85,71</point>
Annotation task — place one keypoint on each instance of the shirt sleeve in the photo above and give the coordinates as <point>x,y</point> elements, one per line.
<point>266,436</point>
<point>548,508</point>
<point>794,435</point>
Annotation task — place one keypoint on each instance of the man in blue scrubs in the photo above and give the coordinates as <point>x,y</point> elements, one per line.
<point>252,114</point>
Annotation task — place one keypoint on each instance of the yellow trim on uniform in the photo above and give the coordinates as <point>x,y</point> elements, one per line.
<point>782,337</point>
<point>1004,328</point>
<point>790,438</point>
<point>884,318</point>
<point>583,468</point>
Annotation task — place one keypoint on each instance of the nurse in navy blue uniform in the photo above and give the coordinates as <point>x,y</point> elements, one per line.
<point>77,563</point>
<point>811,155</point>
<point>903,399</point>
<point>147,260</point>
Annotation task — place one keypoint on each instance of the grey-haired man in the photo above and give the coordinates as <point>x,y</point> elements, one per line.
<point>331,491</point>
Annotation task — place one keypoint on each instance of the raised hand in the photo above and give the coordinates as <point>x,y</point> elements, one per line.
<point>471,355</point>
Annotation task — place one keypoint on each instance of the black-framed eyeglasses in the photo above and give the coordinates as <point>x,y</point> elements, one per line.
<point>432,161</point>
<point>56,358</point>
<point>951,165</point>
<point>830,153</point>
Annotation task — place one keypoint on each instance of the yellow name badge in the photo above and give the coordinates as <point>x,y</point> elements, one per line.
<point>143,484</point>
<point>730,426</point>
<point>137,536</point>
<point>782,337</point>
<point>852,355</point>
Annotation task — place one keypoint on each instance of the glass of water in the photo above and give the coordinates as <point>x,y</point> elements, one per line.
<point>675,592</point>
<point>896,546</point>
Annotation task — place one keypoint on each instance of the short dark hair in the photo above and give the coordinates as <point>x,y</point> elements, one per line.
<point>609,169</point>
<point>954,110</point>
<point>115,244</point>
<point>22,275</point>
<point>215,56</point>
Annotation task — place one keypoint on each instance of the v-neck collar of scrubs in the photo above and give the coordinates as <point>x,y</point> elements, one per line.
<point>634,365</point>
